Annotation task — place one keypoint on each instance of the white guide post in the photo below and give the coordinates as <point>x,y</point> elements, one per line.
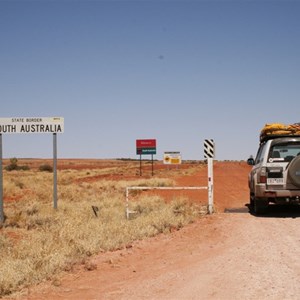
<point>209,154</point>
<point>210,185</point>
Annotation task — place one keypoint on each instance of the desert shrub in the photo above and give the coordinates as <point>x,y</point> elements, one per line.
<point>23,168</point>
<point>19,184</point>
<point>13,166</point>
<point>46,168</point>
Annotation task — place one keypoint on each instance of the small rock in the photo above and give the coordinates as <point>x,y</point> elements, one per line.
<point>90,266</point>
<point>56,282</point>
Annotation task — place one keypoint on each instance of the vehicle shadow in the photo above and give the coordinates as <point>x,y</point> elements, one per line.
<point>278,211</point>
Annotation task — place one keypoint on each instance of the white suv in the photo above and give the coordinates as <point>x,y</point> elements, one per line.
<point>275,176</point>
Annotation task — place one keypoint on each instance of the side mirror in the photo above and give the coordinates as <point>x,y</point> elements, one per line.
<point>250,161</point>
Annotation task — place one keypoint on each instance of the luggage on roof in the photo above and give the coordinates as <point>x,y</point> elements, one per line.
<point>279,130</point>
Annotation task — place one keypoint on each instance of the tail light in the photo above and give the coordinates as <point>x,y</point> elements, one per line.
<point>262,176</point>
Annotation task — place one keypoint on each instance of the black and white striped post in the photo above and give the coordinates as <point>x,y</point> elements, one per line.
<point>209,154</point>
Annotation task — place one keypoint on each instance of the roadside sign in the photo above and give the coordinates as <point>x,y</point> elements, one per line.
<point>146,146</point>
<point>26,125</point>
<point>172,158</point>
<point>31,125</point>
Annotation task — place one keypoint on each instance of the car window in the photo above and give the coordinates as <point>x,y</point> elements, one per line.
<point>260,154</point>
<point>284,152</point>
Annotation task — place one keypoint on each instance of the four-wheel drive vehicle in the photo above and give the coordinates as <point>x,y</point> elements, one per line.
<point>275,176</point>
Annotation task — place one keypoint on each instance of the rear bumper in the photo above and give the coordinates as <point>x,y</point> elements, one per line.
<point>263,192</point>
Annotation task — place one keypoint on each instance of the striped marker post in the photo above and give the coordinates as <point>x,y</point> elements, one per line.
<point>209,154</point>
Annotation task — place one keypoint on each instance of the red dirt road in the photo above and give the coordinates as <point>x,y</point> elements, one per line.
<point>222,256</point>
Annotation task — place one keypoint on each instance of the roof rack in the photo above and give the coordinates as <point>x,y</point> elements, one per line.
<point>266,137</point>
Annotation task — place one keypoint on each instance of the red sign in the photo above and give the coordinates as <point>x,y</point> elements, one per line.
<point>146,146</point>
<point>146,143</point>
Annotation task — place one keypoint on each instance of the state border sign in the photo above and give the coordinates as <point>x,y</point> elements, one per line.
<point>31,125</point>
<point>26,125</point>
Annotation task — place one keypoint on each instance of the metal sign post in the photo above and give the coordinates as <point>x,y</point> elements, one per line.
<point>152,164</point>
<point>1,183</point>
<point>140,164</point>
<point>54,170</point>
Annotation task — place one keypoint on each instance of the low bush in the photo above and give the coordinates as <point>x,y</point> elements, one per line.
<point>13,166</point>
<point>46,168</point>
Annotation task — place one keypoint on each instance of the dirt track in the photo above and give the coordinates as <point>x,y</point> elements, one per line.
<point>225,256</point>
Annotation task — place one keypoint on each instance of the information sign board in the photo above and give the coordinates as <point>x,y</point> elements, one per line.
<point>172,158</point>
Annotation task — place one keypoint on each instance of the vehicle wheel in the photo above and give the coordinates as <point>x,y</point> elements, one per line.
<point>260,206</point>
<point>251,201</point>
<point>294,171</point>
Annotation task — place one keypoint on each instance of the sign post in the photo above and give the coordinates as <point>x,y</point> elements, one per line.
<point>28,125</point>
<point>54,171</point>
<point>209,153</point>
<point>1,183</point>
<point>140,164</point>
<point>152,164</point>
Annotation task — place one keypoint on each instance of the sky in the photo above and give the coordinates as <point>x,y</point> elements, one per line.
<point>179,72</point>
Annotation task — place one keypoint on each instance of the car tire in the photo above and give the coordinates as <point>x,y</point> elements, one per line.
<point>294,171</point>
<point>260,206</point>
<point>251,201</point>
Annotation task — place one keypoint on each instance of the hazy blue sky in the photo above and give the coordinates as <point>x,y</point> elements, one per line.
<point>176,71</point>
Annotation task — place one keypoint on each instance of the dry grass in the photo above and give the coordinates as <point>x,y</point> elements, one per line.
<point>37,242</point>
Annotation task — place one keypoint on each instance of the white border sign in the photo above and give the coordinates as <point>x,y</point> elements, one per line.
<point>31,125</point>
<point>52,125</point>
